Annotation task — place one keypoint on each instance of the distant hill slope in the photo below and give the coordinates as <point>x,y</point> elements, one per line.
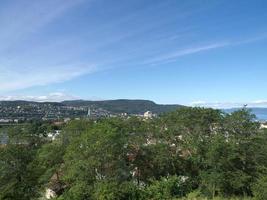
<point>125,106</point>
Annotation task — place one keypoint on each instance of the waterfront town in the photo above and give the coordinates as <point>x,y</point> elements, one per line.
<point>27,111</point>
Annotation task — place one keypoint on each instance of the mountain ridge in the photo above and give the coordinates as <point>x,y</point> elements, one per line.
<point>130,106</point>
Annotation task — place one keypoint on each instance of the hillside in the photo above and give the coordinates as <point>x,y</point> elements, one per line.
<point>125,106</point>
<point>27,110</point>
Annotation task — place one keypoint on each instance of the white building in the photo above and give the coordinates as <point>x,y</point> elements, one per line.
<point>50,194</point>
<point>263,126</point>
<point>66,120</point>
<point>148,115</point>
<point>53,135</point>
<point>5,120</point>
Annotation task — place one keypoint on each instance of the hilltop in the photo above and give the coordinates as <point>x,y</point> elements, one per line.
<point>125,106</point>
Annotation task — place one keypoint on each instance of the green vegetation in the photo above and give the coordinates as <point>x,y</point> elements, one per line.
<point>191,153</point>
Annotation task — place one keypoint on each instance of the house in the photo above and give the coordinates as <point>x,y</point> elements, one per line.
<point>263,126</point>
<point>53,135</point>
<point>148,115</point>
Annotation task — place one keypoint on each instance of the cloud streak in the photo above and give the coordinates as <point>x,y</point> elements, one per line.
<point>186,51</point>
<point>174,55</point>
<point>219,105</point>
<point>14,79</point>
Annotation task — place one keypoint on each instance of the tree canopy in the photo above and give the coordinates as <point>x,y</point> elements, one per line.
<point>191,151</point>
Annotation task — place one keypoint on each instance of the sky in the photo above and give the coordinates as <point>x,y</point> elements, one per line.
<point>204,53</point>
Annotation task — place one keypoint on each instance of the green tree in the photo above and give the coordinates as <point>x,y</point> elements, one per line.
<point>260,188</point>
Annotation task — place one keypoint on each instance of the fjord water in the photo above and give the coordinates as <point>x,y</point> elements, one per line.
<point>3,137</point>
<point>261,113</point>
<point>262,117</point>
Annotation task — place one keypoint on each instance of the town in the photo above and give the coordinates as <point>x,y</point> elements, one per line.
<point>20,112</point>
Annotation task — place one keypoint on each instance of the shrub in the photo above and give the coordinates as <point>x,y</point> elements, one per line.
<point>168,188</point>
<point>260,188</point>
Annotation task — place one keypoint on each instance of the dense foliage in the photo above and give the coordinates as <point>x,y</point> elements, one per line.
<point>191,153</point>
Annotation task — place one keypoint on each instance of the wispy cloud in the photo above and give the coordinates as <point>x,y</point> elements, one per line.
<point>25,62</point>
<point>251,39</point>
<point>42,44</point>
<point>174,55</point>
<point>20,78</point>
<point>20,19</point>
<point>186,51</point>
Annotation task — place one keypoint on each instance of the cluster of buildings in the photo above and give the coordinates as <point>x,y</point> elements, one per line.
<point>20,112</point>
<point>12,113</point>
<point>146,115</point>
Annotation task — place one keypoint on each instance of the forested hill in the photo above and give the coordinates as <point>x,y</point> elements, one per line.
<point>125,106</point>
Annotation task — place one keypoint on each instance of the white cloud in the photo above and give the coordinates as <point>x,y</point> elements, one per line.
<point>260,102</point>
<point>52,97</point>
<point>198,103</point>
<point>257,103</point>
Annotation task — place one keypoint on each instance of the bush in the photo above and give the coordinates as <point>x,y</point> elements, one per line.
<point>107,190</point>
<point>260,188</point>
<point>168,188</point>
<point>194,195</point>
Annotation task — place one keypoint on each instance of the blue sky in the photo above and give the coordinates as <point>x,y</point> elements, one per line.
<point>211,53</point>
